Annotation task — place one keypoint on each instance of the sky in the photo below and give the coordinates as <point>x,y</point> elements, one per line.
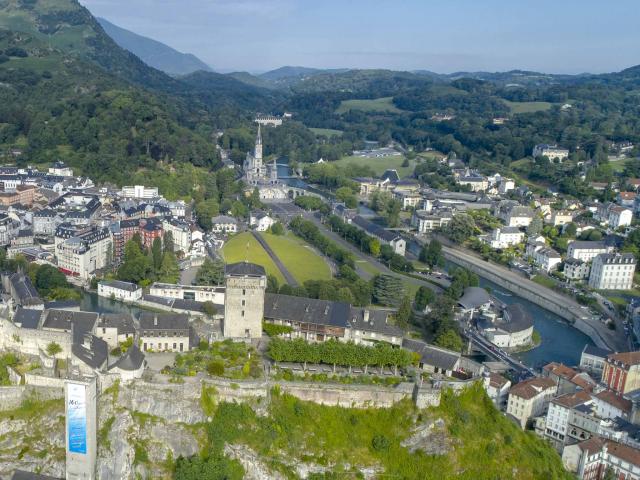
<point>551,36</point>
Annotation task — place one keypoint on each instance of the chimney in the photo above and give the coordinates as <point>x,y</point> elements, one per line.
<point>365,316</point>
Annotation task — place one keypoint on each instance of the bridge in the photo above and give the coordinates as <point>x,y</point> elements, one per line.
<point>489,349</point>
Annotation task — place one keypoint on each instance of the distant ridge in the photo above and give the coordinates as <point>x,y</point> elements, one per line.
<point>153,53</point>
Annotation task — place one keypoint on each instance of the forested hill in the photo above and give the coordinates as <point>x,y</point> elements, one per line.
<point>153,53</point>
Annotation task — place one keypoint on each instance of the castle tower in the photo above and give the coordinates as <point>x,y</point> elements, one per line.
<point>246,284</point>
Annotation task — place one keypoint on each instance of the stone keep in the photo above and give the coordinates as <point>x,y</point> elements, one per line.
<point>246,284</point>
<point>81,425</point>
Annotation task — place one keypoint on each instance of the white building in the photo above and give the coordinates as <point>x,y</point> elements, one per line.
<point>559,413</point>
<point>620,217</point>
<point>590,459</point>
<point>424,221</point>
<point>611,271</point>
<point>576,269</point>
<point>497,388</point>
<point>593,359</point>
<point>559,217</point>
<point>60,169</point>
<point>547,258</point>
<point>181,233</point>
<point>124,291</point>
<point>552,152</point>
<point>224,224</point>
<point>504,237</point>
<point>530,398</point>
<point>139,191</point>
<point>168,332</point>
<point>261,221</point>
<point>586,251</point>
<point>82,255</point>
<point>199,293</point>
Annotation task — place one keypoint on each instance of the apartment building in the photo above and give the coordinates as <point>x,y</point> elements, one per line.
<point>621,372</point>
<point>586,251</point>
<point>611,271</point>
<point>530,398</point>
<point>139,191</point>
<point>85,253</point>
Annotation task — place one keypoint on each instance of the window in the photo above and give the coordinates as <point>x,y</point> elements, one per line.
<point>244,292</point>
<point>174,345</point>
<point>243,302</point>
<point>242,313</point>
<point>180,346</point>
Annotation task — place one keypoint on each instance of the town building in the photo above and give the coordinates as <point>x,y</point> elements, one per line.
<point>224,224</point>
<point>621,372</point>
<point>620,217</point>
<point>385,236</point>
<point>165,332</point>
<point>511,330</point>
<point>593,359</point>
<point>198,293</point>
<point>576,269</point>
<point>261,221</point>
<point>546,258</point>
<point>530,398</point>
<point>140,192</point>
<point>130,365</point>
<point>611,271</point>
<point>594,458</point>
<point>513,214</point>
<point>587,251</point>
<point>558,414</point>
<point>84,253</point>
<point>503,237</point>
<point>115,328</point>
<point>60,169</point>
<point>244,300</point>
<point>258,174</point>
<point>497,388</point>
<point>424,221</point>
<point>567,379</point>
<point>123,291</point>
<point>559,217</point>
<point>552,152</point>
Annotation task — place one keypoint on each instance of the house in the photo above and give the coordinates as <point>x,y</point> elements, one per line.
<point>443,362</point>
<point>124,291</point>
<point>576,269</point>
<point>593,458</point>
<point>425,222</point>
<point>547,258</point>
<point>408,199</point>
<point>475,182</point>
<point>612,271</point>
<point>139,191</point>
<point>115,328</point>
<point>621,372</point>
<point>626,199</point>
<point>385,236</point>
<point>559,413</point>
<point>261,221</point>
<point>514,214</point>
<point>224,224</point>
<point>587,251</point>
<point>559,217</point>
<point>552,152</point>
<point>567,379</point>
<point>593,359</point>
<point>513,329</point>
<point>370,185</point>
<point>130,365</point>
<point>503,237</point>
<point>530,398</point>
<point>497,388</point>
<point>620,217</point>
<point>165,332</point>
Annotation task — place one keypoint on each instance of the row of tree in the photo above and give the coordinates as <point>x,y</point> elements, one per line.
<point>145,265</point>
<point>333,352</point>
<point>311,233</point>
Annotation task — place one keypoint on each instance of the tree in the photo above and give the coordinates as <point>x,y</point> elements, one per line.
<point>273,286</point>
<point>47,278</point>
<point>460,229</point>
<point>345,194</point>
<point>535,227</point>
<point>277,229</point>
<point>374,247</point>
<point>168,243</point>
<point>169,270</point>
<point>205,210</point>
<point>344,295</point>
<point>431,254</point>
<point>53,349</point>
<point>136,266</point>
<point>450,339</point>
<point>405,313</point>
<point>156,254</point>
<point>211,272</point>
<point>209,308</point>
<point>424,296</point>
<point>387,290</point>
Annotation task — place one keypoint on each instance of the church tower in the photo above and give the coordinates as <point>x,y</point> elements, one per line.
<point>257,154</point>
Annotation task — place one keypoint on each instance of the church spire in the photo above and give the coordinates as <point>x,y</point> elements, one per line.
<point>259,137</point>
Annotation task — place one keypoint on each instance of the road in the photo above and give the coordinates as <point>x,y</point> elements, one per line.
<point>491,350</point>
<point>290,279</point>
<point>360,256</point>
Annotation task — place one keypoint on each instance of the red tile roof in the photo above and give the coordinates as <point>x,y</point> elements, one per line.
<point>532,387</point>
<point>626,358</point>
<point>617,401</point>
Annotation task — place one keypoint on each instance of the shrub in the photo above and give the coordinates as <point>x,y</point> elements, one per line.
<point>215,368</point>
<point>380,443</point>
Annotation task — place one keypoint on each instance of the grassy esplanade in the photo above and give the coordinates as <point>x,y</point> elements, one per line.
<point>235,250</point>
<point>298,257</point>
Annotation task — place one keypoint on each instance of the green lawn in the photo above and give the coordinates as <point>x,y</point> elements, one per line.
<point>379,165</point>
<point>235,250</point>
<point>619,164</point>
<point>376,105</point>
<point>527,107</point>
<point>544,281</point>
<point>327,132</point>
<point>298,257</point>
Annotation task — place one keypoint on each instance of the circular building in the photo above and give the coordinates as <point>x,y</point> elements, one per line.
<point>513,329</point>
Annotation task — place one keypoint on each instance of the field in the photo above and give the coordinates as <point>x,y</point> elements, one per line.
<point>301,261</point>
<point>527,107</point>
<point>326,132</point>
<point>235,250</point>
<point>376,105</point>
<point>379,165</point>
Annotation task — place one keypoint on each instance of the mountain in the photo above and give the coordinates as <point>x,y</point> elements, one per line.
<point>288,76</point>
<point>154,53</point>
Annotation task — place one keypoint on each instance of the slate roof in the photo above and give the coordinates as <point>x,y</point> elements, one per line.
<point>122,321</point>
<point>306,310</point>
<point>519,319</point>
<point>377,321</point>
<point>119,284</point>
<point>132,359</point>
<point>27,318</point>
<point>160,300</point>
<point>63,319</point>
<point>163,321</point>
<point>596,351</point>
<point>432,355</point>
<point>474,297</point>
<point>62,304</point>
<point>244,268</point>
<point>24,289</point>
<point>391,175</point>
<point>373,229</point>
<point>90,349</point>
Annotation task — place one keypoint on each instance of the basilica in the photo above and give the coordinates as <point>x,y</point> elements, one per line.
<point>264,177</point>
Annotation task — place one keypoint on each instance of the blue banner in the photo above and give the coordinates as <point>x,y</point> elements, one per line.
<point>76,418</point>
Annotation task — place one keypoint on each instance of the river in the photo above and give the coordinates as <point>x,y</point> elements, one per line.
<point>91,302</point>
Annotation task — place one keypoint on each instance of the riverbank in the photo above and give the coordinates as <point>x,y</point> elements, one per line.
<point>563,306</point>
